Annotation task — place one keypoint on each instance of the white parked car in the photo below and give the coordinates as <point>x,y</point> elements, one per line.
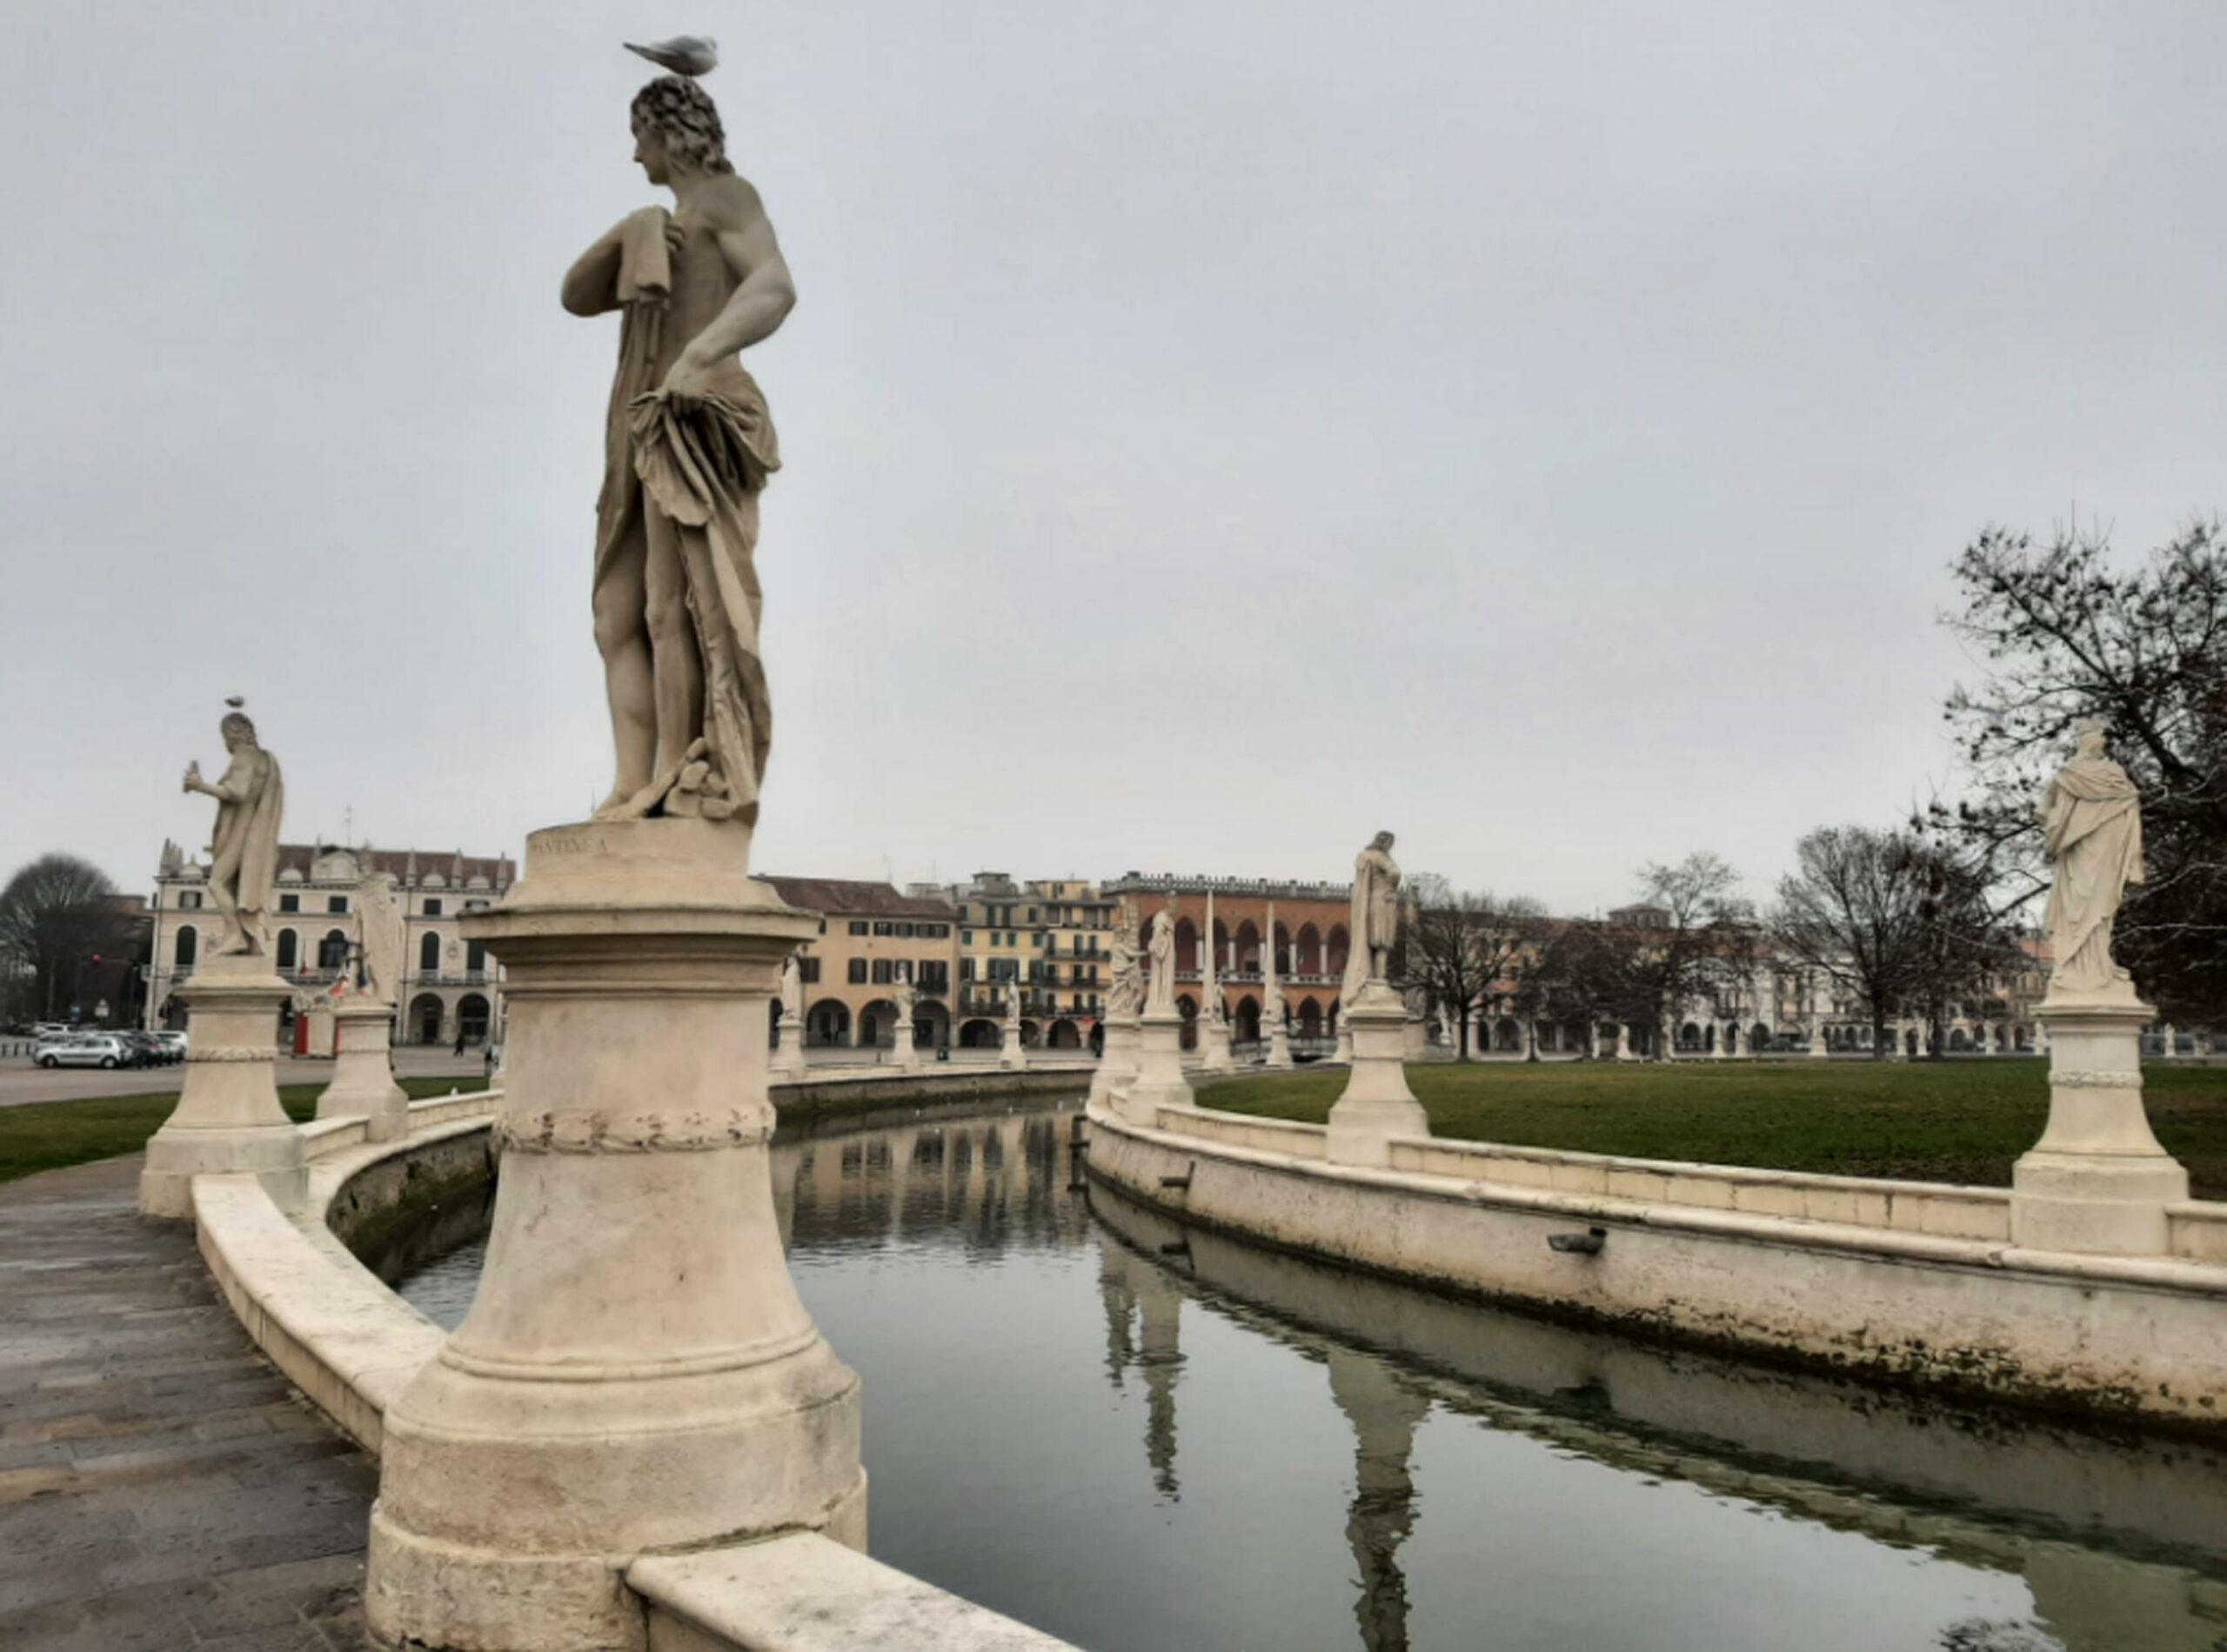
<point>173,1046</point>
<point>97,1050</point>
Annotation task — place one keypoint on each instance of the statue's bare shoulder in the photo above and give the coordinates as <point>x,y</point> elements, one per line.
<point>732,210</point>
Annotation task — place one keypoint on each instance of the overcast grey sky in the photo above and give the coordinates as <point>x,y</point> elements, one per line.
<point>1212,431</point>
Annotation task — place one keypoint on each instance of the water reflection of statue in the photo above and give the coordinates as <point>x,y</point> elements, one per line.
<point>243,853</point>
<point>2091,826</point>
<point>1375,915</point>
<point>381,913</point>
<point>1384,1414</point>
<point>688,445</point>
<point>1161,947</point>
<point>1127,995</point>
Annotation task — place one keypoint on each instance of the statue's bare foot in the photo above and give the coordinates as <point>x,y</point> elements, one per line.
<point>611,805</point>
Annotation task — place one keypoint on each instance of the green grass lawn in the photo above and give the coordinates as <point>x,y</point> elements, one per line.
<point>1927,1121</point>
<point>46,1135</point>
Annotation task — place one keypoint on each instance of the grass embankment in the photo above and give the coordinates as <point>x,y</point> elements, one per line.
<point>46,1135</point>
<point>1963,1121</point>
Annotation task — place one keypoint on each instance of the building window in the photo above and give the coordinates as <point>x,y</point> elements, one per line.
<point>883,926</point>
<point>475,956</point>
<point>808,971</point>
<point>290,949</point>
<point>429,953</point>
<point>190,899</point>
<point>932,975</point>
<point>336,903</point>
<point>905,929</point>
<point>858,972</point>
<point>966,937</point>
<point>333,951</point>
<point>286,903</point>
<point>966,969</point>
<point>883,975</point>
<point>432,905</point>
<point>860,926</point>
<point>189,947</point>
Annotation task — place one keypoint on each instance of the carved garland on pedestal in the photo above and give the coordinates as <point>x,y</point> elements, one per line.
<point>646,1133</point>
<point>2076,1080</point>
<point>231,1053</point>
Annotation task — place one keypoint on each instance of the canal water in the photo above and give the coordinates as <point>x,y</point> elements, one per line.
<point>1143,1439</point>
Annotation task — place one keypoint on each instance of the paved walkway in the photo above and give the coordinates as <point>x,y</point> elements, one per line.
<point>160,1486</point>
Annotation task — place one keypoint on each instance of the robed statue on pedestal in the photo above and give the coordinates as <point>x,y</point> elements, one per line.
<point>2091,827</point>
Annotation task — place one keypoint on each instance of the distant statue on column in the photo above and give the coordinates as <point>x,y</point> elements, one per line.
<point>2091,827</point>
<point>1161,949</point>
<point>1374,923</point>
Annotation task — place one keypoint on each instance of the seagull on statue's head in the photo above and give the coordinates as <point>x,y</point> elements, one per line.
<point>690,54</point>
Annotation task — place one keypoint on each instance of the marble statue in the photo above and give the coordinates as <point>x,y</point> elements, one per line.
<point>792,992</point>
<point>1013,990</point>
<point>905,998</point>
<point>1162,948</point>
<point>1375,917</point>
<point>381,912</point>
<point>243,853</point>
<point>688,446</point>
<point>1125,997</point>
<point>2091,826</point>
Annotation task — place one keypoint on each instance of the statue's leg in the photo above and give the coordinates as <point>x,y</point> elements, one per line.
<point>622,637</point>
<point>675,662</point>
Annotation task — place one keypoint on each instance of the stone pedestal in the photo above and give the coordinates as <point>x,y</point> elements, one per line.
<point>904,1054</point>
<point>362,1075</point>
<point>1117,1064</point>
<point>1342,1053</point>
<point>227,1119</point>
<point>1416,1038</point>
<point>1160,1082</point>
<point>637,1375</point>
<point>786,1061</point>
<point>1279,1047</point>
<point>1013,1054</point>
<point>1377,1104</point>
<point>1213,1047</point>
<point>2096,1180</point>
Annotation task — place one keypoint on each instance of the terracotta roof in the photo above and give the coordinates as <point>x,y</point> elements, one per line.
<point>850,898</point>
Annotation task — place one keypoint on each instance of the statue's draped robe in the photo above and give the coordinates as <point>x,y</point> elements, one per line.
<point>1374,919</point>
<point>243,853</point>
<point>382,931</point>
<point>1162,947</point>
<point>699,463</point>
<point>2091,826</point>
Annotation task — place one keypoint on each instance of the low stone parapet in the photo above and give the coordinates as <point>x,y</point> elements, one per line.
<point>1914,1283</point>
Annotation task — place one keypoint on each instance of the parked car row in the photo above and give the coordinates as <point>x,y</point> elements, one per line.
<point>110,1049</point>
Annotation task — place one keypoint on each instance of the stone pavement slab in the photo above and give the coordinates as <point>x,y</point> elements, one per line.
<point>160,1485</point>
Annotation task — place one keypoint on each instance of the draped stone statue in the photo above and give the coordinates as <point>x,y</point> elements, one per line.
<point>1161,947</point>
<point>1125,997</point>
<point>380,910</point>
<point>688,445</point>
<point>243,853</point>
<point>2091,826</point>
<point>1375,919</point>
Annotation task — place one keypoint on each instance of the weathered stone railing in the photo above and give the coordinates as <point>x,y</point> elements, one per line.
<point>351,1346</point>
<point>1915,1282</point>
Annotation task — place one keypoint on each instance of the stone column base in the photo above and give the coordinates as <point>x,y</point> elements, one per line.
<point>1377,1103</point>
<point>228,1120</point>
<point>1160,1082</point>
<point>637,1375</point>
<point>362,1075</point>
<point>2097,1180</point>
<point>1117,1064</point>
<point>1013,1055</point>
<point>1279,1055</point>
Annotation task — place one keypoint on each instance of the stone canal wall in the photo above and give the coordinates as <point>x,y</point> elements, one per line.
<point>1906,1281</point>
<point>350,1345</point>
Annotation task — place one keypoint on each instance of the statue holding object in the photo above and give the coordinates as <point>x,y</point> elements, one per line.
<point>688,445</point>
<point>2091,826</point>
<point>243,853</point>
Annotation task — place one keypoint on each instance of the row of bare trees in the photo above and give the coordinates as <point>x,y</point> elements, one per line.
<point>1902,926</point>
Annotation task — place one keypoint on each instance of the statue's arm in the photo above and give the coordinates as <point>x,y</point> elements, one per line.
<point>764,292</point>
<point>592,285</point>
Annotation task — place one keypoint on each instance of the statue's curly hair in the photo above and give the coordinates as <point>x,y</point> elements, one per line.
<point>237,723</point>
<point>682,112</point>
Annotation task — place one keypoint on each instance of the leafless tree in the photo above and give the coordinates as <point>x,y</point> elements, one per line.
<point>1461,947</point>
<point>57,915</point>
<point>1700,939</point>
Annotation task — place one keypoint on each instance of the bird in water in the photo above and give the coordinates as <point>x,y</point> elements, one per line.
<point>690,54</point>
